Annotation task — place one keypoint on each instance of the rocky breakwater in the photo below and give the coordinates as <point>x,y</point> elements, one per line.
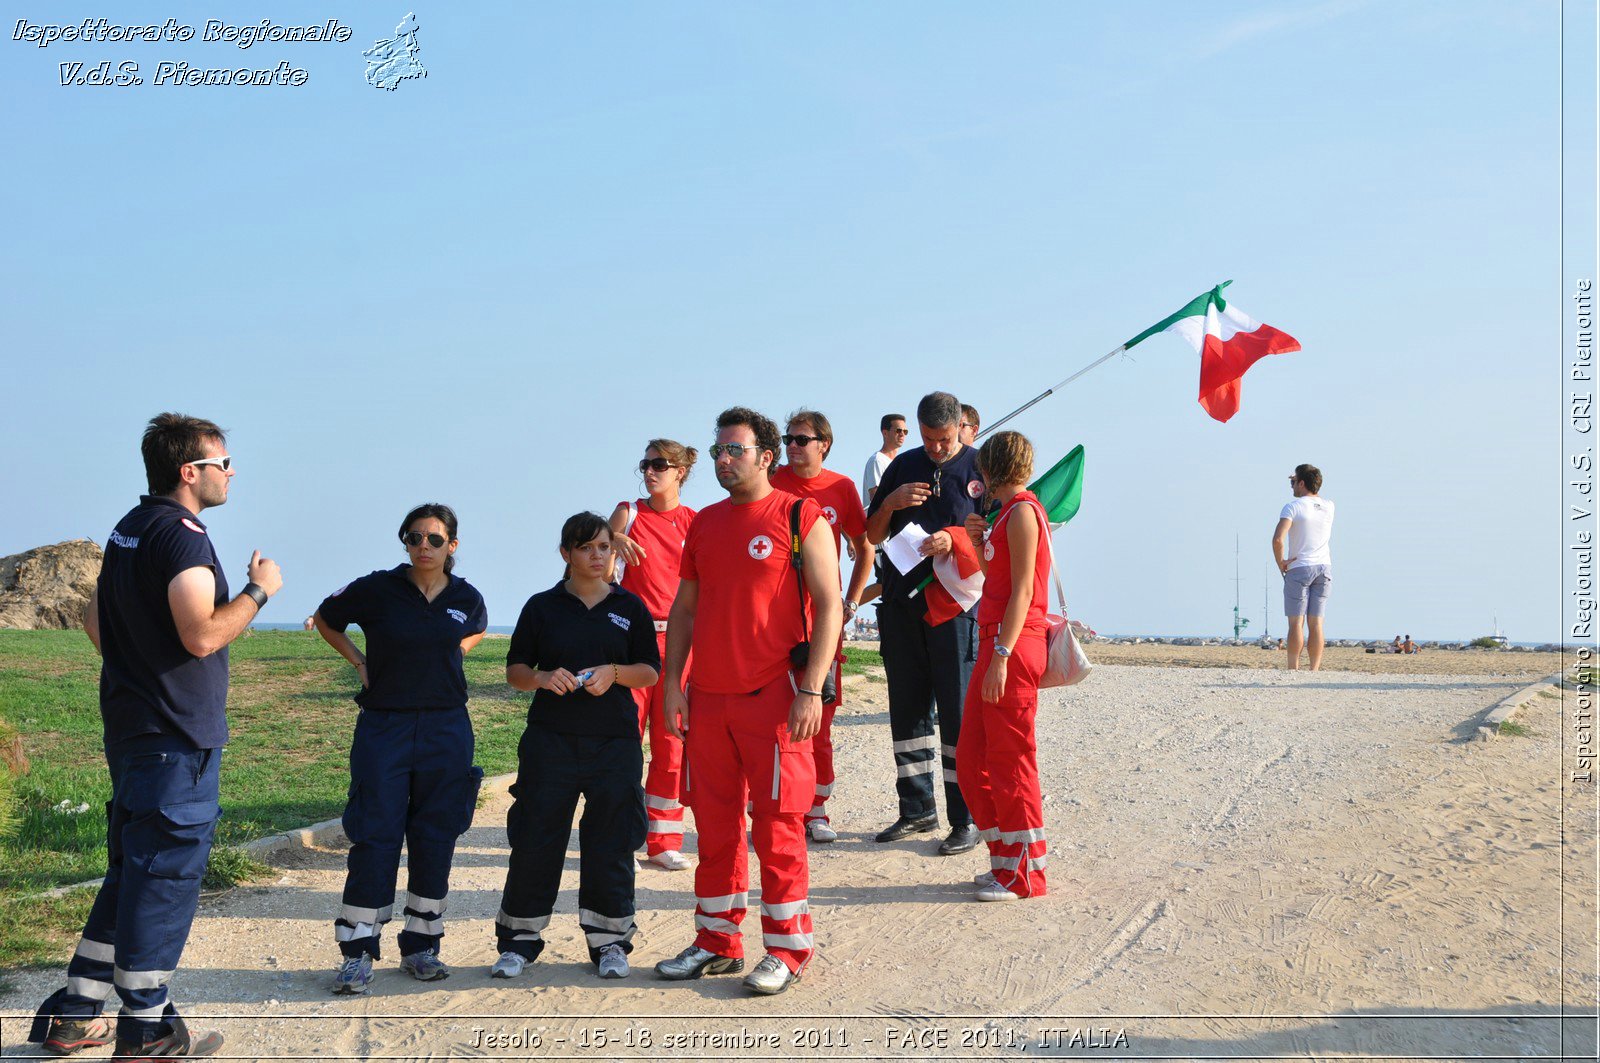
<point>47,588</point>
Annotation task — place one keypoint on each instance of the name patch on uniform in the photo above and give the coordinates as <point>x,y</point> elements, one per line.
<point>760,548</point>
<point>621,621</point>
<point>127,542</point>
<point>460,617</point>
<point>192,526</point>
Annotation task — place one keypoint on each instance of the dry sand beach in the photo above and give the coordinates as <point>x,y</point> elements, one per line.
<point>1245,862</point>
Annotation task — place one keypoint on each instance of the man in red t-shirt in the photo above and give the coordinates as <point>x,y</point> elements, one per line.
<point>807,441</point>
<point>754,712</point>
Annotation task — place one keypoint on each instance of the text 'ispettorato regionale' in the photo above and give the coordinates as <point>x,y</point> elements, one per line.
<point>174,71</point>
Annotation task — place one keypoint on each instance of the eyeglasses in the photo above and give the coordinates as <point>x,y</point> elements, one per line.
<point>938,478</point>
<point>224,463</point>
<point>415,539</point>
<point>899,431</point>
<point>799,440</point>
<point>655,465</point>
<point>733,450</point>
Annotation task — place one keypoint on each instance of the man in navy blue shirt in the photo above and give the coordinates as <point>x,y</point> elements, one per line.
<point>935,486</point>
<point>162,620</point>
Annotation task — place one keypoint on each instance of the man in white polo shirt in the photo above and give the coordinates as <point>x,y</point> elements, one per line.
<point>1303,530</point>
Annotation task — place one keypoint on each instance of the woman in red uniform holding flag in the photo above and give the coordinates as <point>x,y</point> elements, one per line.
<point>997,763</point>
<point>648,537</point>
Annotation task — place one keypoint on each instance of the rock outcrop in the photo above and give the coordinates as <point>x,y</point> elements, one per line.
<point>47,588</point>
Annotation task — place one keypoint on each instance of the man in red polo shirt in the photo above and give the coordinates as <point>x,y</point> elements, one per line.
<point>807,441</point>
<point>754,712</point>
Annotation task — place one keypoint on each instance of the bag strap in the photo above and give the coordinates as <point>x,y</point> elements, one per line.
<point>1045,529</point>
<point>633,513</point>
<point>797,563</point>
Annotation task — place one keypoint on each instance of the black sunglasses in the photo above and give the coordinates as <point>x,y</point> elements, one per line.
<point>799,440</point>
<point>434,539</point>
<point>655,465</point>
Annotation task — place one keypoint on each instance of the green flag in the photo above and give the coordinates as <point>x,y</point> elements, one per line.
<point>1060,490</point>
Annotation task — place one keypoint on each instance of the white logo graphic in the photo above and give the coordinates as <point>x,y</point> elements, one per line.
<point>461,618</point>
<point>192,526</point>
<point>760,547</point>
<point>621,621</point>
<point>127,542</point>
<point>831,513</point>
<point>988,551</point>
<point>975,488</point>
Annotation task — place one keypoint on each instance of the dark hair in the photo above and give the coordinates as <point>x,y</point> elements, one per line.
<point>1309,475</point>
<point>818,422</point>
<point>938,409</point>
<point>579,529</point>
<point>766,433</point>
<point>439,512</point>
<point>887,421</point>
<point>171,441</point>
<point>971,415</point>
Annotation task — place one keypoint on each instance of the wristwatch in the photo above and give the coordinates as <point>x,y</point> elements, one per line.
<point>1001,651</point>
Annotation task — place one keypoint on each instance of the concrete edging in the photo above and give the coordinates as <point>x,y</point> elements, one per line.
<point>1507,707</point>
<point>316,834</point>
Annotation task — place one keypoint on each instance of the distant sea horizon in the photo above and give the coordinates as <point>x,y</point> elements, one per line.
<point>501,629</point>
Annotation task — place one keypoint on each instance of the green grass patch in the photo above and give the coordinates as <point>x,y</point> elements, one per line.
<point>856,661</point>
<point>1513,729</point>
<point>286,765</point>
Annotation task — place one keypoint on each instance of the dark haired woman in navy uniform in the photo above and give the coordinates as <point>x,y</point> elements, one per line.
<point>411,774</point>
<point>583,647</point>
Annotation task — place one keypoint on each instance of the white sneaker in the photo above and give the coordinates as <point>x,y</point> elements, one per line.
<point>670,860</point>
<point>985,879</point>
<point>819,831</point>
<point>996,892</point>
<point>509,965</point>
<point>613,962</point>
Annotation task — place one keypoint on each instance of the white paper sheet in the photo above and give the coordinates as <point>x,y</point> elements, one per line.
<point>902,548</point>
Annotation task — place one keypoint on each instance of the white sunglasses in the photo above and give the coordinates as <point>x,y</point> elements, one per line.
<point>224,463</point>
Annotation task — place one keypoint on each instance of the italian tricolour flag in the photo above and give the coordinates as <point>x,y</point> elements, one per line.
<point>1228,340</point>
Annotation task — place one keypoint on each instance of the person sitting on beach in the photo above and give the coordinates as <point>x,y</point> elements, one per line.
<point>1408,646</point>
<point>997,758</point>
<point>412,780</point>
<point>1397,646</point>
<point>583,646</point>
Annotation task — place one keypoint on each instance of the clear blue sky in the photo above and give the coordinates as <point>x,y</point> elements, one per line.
<point>594,224</point>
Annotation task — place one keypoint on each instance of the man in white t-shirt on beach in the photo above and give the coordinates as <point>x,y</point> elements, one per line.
<point>893,428</point>
<point>1303,530</point>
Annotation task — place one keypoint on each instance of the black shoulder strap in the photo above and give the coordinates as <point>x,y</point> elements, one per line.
<point>795,561</point>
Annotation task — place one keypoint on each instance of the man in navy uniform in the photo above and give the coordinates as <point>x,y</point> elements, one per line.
<point>162,620</point>
<point>936,486</point>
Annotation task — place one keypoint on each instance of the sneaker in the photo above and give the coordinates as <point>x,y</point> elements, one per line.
<point>613,962</point>
<point>177,1043</point>
<point>819,831</point>
<point>509,965</point>
<point>354,975</point>
<point>985,879</point>
<point>695,961</point>
<point>996,892</point>
<point>670,860</point>
<point>771,976</point>
<point>424,966</point>
<point>67,1036</point>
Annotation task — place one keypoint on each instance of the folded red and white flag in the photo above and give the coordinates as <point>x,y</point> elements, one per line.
<point>958,579</point>
<point>1228,340</point>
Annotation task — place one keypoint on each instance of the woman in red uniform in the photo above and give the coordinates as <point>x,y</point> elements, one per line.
<point>997,763</point>
<point>649,535</point>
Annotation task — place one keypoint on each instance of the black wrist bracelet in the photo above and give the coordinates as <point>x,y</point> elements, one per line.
<point>255,594</point>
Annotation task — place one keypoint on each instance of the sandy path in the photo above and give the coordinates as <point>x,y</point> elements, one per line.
<point>1224,843</point>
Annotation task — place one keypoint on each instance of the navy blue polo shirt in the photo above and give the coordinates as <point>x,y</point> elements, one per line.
<point>960,488</point>
<point>556,630</point>
<point>149,682</point>
<point>413,645</point>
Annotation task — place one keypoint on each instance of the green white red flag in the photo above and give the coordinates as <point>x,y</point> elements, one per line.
<point>1228,340</point>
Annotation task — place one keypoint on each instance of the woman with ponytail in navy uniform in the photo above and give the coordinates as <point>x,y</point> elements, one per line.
<point>412,779</point>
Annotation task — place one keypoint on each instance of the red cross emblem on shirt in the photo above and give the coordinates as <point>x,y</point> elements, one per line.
<point>760,547</point>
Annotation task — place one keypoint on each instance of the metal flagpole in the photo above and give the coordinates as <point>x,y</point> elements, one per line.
<point>1052,390</point>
